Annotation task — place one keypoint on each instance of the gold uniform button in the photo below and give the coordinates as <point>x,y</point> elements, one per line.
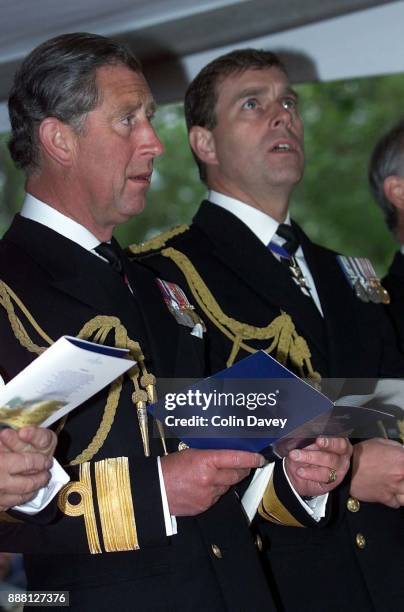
<point>360,540</point>
<point>182,446</point>
<point>353,504</point>
<point>258,542</point>
<point>216,551</point>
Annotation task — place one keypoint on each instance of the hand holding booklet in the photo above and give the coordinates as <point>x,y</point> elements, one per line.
<point>63,377</point>
<point>259,405</point>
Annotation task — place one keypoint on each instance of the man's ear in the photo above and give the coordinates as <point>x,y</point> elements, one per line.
<point>203,144</point>
<point>393,188</point>
<point>57,140</point>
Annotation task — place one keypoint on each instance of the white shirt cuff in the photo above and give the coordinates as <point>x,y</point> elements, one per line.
<point>169,520</point>
<point>256,489</point>
<point>58,479</point>
<point>315,507</point>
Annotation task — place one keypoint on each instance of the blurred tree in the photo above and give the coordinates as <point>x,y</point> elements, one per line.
<point>342,120</point>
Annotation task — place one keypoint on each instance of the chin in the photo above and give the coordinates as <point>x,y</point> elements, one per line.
<point>134,208</point>
<point>292,177</point>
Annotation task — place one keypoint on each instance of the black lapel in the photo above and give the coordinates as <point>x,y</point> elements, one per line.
<point>71,269</point>
<point>337,301</point>
<point>88,279</point>
<point>239,249</point>
<point>161,328</point>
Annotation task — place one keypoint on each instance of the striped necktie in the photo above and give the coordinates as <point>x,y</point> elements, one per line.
<point>286,255</point>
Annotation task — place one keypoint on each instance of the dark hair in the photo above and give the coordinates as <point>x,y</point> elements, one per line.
<point>202,93</point>
<point>58,79</point>
<point>387,160</point>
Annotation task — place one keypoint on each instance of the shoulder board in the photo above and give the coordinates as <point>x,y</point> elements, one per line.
<point>158,242</point>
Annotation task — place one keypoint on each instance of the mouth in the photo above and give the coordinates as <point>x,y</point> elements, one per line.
<point>284,146</point>
<point>141,178</point>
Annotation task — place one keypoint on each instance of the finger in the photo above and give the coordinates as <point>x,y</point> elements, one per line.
<point>318,474</point>
<point>41,439</point>
<point>230,477</point>
<point>10,440</point>
<point>21,463</point>
<point>219,491</point>
<point>340,446</point>
<point>3,447</point>
<point>236,459</point>
<point>26,485</point>
<point>11,500</point>
<point>329,460</point>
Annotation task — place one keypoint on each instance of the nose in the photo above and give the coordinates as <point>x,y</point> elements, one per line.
<point>151,145</point>
<point>281,116</point>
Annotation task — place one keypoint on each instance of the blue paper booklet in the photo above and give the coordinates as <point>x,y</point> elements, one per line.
<point>259,405</point>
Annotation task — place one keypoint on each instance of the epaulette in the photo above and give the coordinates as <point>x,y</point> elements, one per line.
<point>156,243</point>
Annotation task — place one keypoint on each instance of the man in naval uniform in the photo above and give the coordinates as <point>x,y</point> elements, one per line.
<point>386,177</point>
<point>260,283</point>
<point>81,113</point>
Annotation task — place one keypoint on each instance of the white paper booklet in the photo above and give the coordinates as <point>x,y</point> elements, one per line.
<point>66,375</point>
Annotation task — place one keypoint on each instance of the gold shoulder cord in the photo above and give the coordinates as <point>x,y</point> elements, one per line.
<point>97,330</point>
<point>281,331</point>
<point>156,243</point>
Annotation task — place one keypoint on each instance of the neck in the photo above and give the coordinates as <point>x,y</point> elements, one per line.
<point>275,205</point>
<point>64,198</point>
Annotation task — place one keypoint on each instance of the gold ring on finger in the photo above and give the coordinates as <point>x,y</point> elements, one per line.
<point>332,476</point>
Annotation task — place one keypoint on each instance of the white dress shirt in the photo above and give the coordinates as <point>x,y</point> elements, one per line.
<point>264,227</point>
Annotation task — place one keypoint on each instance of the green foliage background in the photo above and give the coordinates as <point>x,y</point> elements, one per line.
<point>343,120</point>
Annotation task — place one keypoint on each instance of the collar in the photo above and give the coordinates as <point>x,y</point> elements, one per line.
<point>261,224</point>
<point>38,211</point>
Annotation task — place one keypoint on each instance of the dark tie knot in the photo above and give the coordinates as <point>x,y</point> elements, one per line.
<point>288,234</point>
<point>112,254</point>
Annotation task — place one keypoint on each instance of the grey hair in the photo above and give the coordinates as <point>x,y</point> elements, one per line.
<point>58,79</point>
<point>386,160</point>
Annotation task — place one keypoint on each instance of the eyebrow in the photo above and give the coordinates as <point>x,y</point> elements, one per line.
<point>292,92</point>
<point>247,92</point>
<point>128,109</point>
<point>256,91</point>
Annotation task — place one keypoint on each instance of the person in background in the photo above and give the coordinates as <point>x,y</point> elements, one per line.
<point>386,178</point>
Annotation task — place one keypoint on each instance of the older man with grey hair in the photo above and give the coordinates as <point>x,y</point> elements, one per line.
<point>386,178</point>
